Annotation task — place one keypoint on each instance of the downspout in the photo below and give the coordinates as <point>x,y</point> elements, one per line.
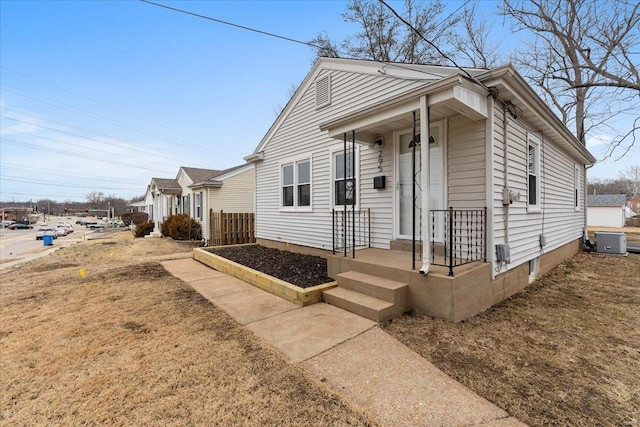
<point>505,188</point>
<point>424,177</point>
<point>585,231</point>
<point>344,205</point>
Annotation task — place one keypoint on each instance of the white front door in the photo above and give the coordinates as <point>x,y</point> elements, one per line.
<point>405,203</point>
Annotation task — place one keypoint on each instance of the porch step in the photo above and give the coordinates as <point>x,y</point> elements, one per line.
<point>360,304</point>
<point>373,297</point>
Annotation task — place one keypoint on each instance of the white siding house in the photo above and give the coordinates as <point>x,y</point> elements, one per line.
<point>606,210</point>
<point>163,193</point>
<point>530,184</point>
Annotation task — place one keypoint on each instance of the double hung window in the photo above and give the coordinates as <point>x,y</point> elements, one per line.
<point>295,178</point>
<point>533,172</point>
<point>344,179</point>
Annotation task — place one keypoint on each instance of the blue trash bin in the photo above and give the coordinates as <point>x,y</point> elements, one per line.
<point>47,240</point>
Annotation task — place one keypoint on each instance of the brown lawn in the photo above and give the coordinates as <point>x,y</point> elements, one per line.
<point>131,345</point>
<point>565,351</point>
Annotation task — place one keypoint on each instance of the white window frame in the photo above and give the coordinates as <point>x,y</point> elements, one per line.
<point>332,178</point>
<point>576,188</point>
<point>535,142</point>
<point>294,162</point>
<point>186,205</point>
<point>197,202</point>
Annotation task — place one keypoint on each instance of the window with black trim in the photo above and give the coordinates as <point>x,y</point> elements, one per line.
<point>533,172</point>
<point>344,180</point>
<point>295,180</point>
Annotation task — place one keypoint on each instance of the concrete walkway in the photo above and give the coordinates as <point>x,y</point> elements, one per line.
<point>350,354</point>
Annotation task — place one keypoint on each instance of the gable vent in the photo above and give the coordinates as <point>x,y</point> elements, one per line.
<point>323,92</point>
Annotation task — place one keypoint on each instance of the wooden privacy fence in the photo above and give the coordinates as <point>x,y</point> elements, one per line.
<point>231,228</point>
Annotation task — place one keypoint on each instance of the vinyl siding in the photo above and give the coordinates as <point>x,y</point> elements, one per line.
<point>298,136</point>
<point>557,220</point>
<point>466,151</point>
<point>235,195</point>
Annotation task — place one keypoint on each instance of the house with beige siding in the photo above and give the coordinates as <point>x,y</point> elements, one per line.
<point>230,191</point>
<point>448,224</point>
<point>196,192</point>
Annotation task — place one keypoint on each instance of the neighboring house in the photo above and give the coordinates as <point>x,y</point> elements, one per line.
<point>144,204</point>
<point>204,190</point>
<point>196,192</point>
<point>606,210</point>
<point>163,194</point>
<point>230,190</point>
<point>335,171</point>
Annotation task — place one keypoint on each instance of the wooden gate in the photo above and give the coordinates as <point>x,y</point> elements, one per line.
<point>231,228</point>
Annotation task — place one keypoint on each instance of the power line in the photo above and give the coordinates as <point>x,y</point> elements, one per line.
<point>126,147</point>
<point>96,116</point>
<point>32,170</point>
<point>57,184</point>
<point>306,43</point>
<point>100,103</point>
<point>84,157</point>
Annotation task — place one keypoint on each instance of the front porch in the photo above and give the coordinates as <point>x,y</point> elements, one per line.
<point>380,284</point>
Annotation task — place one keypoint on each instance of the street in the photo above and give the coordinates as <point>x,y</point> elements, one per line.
<point>20,244</point>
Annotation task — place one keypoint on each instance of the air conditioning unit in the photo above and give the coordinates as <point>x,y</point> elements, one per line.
<point>611,243</point>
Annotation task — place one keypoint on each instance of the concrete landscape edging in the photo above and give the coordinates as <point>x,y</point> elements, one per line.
<point>293,293</point>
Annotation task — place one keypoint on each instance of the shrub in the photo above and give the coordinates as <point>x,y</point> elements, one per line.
<point>144,229</point>
<point>181,227</point>
<point>134,218</point>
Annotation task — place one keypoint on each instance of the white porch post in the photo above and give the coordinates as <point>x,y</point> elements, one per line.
<point>424,184</point>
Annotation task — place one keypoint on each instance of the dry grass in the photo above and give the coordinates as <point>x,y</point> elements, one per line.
<point>131,345</point>
<point>565,351</point>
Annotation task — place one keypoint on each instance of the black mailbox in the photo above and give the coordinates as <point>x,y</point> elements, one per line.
<point>379,182</point>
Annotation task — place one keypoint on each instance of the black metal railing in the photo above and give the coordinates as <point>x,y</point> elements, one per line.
<point>463,233</point>
<point>351,230</point>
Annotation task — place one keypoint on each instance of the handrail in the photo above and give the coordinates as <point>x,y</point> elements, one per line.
<point>464,236</point>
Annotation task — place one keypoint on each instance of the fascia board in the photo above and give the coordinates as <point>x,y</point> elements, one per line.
<point>518,87</point>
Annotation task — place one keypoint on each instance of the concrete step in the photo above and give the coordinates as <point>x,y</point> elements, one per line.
<point>363,305</point>
<point>374,286</point>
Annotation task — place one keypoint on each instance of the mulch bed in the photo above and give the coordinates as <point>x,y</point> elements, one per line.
<point>300,270</point>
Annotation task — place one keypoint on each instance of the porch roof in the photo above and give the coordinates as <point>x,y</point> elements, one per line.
<point>454,94</point>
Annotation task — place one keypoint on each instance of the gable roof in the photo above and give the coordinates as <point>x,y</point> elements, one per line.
<point>416,72</point>
<point>216,181</point>
<point>198,174</point>
<point>602,200</point>
<point>504,81</point>
<point>165,184</point>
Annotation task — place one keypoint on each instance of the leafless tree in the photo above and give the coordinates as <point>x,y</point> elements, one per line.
<point>382,37</point>
<point>631,179</point>
<point>583,56</point>
<point>474,43</point>
<point>95,197</point>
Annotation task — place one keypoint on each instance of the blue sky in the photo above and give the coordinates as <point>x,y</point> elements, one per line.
<point>105,95</point>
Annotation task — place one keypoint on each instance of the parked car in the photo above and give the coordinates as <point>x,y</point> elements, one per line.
<point>46,230</point>
<point>19,226</point>
<point>81,222</point>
